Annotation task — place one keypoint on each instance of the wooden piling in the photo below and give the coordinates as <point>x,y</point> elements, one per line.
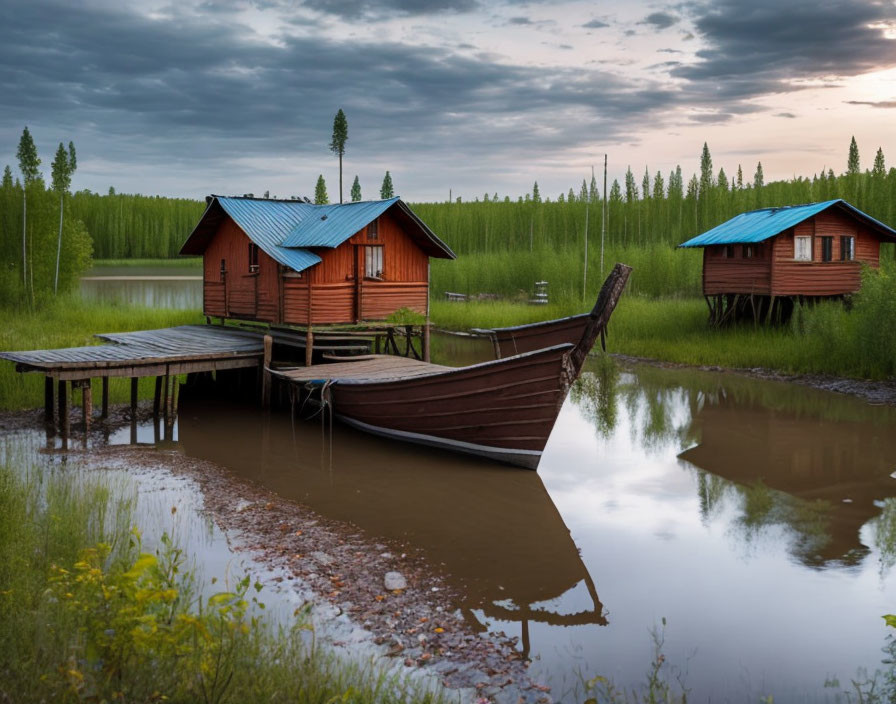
<point>104,411</point>
<point>266,373</point>
<point>426,328</point>
<point>133,398</point>
<point>48,400</point>
<point>86,405</point>
<point>64,426</point>
<point>309,347</point>
<point>165,382</point>
<point>157,398</point>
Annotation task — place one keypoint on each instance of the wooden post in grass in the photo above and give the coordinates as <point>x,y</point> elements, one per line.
<point>426,327</point>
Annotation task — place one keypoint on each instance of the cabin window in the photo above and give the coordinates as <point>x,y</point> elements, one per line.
<point>847,249</point>
<point>223,269</point>
<point>373,262</point>
<point>802,249</point>
<point>253,258</point>
<point>729,251</point>
<point>749,251</point>
<point>827,249</point>
<point>373,230</point>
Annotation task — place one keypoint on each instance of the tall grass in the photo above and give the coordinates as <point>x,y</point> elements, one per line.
<point>71,322</point>
<point>86,616</point>
<point>657,271</point>
<point>859,342</point>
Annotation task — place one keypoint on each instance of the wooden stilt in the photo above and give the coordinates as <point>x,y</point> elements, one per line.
<point>86,405</point>
<point>769,316</point>
<point>64,426</point>
<point>265,372</point>
<point>165,397</point>
<point>134,398</point>
<point>48,400</point>
<point>426,328</point>
<point>175,394</point>
<point>104,410</point>
<point>309,347</point>
<point>157,398</point>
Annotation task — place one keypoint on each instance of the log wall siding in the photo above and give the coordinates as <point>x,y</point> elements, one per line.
<point>382,298</point>
<point>737,275</point>
<point>816,277</point>
<point>295,300</point>
<point>242,294</point>
<point>778,273</point>
<point>335,289</point>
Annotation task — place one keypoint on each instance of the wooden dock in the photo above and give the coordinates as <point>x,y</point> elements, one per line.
<point>163,353</point>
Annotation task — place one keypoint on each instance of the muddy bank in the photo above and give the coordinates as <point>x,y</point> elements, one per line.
<point>379,596</point>
<point>874,392</point>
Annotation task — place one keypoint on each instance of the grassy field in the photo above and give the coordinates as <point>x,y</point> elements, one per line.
<point>826,339</point>
<point>177,262</point>
<point>71,322</point>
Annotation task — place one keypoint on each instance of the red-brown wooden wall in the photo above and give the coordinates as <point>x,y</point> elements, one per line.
<point>775,271</point>
<point>333,291</point>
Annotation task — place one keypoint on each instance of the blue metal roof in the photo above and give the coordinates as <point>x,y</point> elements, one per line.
<point>760,225</point>
<point>267,222</point>
<point>331,225</point>
<point>285,229</point>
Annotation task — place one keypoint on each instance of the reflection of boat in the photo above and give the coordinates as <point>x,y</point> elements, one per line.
<point>495,530</point>
<point>504,409</point>
<point>836,469</point>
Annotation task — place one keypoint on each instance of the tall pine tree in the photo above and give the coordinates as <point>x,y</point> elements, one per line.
<point>28,165</point>
<point>852,162</point>
<point>356,190</point>
<point>64,166</point>
<point>320,192</point>
<point>387,190</point>
<point>337,143</point>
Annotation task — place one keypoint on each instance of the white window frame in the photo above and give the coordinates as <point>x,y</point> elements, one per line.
<point>802,253</point>
<point>373,262</point>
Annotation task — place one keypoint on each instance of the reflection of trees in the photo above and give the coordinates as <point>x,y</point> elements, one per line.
<point>595,393</point>
<point>785,455</point>
<point>883,534</point>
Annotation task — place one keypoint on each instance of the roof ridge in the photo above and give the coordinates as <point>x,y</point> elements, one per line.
<point>300,200</point>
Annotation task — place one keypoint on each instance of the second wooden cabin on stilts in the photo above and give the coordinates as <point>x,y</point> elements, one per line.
<point>293,263</point>
<point>759,264</point>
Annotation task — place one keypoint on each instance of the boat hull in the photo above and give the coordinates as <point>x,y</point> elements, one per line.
<point>502,410</point>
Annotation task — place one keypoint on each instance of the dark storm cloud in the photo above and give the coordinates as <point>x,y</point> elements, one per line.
<point>660,20</point>
<point>186,89</point>
<point>356,9</point>
<point>760,47</point>
<point>873,103</point>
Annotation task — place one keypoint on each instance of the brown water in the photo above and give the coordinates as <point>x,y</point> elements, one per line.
<point>757,518</point>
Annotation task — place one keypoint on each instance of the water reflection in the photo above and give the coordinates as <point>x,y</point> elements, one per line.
<point>178,288</point>
<point>787,455</point>
<point>494,529</point>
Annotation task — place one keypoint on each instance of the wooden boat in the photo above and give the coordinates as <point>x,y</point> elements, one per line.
<point>504,409</point>
<point>536,336</point>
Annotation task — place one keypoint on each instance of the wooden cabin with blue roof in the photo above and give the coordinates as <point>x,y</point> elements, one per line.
<point>759,264</point>
<point>292,262</point>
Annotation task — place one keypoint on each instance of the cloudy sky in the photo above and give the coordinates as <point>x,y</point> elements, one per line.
<point>235,96</point>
